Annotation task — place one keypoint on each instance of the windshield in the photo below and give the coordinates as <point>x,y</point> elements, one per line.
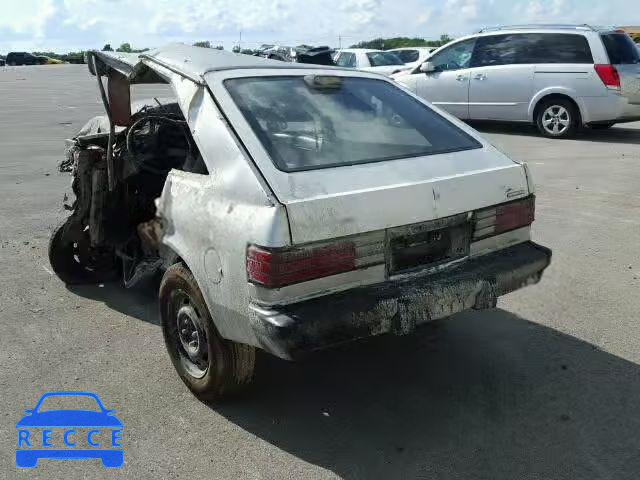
<point>620,48</point>
<point>382,59</point>
<point>358,120</point>
<point>69,402</point>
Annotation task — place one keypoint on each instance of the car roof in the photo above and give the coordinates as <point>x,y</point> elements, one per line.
<point>354,50</point>
<point>575,29</point>
<point>411,48</point>
<point>550,26</point>
<point>186,60</point>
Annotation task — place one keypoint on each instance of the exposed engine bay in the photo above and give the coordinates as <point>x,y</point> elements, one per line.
<point>116,232</point>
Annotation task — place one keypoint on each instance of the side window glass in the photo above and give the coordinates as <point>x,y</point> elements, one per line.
<point>346,59</point>
<point>407,56</point>
<point>497,50</point>
<point>559,48</point>
<point>455,57</point>
<point>529,48</point>
<point>412,56</point>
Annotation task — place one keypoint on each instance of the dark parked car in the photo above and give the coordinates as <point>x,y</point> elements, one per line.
<point>1,61</point>
<point>22,58</point>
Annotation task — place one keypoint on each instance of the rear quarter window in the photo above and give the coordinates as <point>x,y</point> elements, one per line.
<point>363,120</point>
<point>531,48</point>
<point>620,48</point>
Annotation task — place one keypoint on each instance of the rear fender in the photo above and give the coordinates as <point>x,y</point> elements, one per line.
<point>567,92</point>
<point>209,232</point>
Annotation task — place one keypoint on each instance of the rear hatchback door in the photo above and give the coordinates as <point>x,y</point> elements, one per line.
<point>345,166</point>
<point>624,56</point>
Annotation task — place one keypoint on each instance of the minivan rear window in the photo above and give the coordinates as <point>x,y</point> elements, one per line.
<point>620,48</point>
<point>356,120</point>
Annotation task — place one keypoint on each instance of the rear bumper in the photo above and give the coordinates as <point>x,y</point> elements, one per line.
<point>612,107</point>
<point>396,306</point>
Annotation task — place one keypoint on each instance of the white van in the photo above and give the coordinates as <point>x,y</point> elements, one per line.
<point>559,77</point>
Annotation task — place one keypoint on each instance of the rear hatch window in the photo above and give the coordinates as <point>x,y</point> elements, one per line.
<point>620,48</point>
<point>327,121</point>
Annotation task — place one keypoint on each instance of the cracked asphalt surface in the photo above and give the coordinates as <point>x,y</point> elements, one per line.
<point>545,386</point>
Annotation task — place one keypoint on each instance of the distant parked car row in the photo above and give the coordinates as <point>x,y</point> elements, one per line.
<point>26,58</point>
<point>386,62</point>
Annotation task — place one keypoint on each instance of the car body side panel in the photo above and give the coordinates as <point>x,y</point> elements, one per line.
<point>362,61</point>
<point>501,92</point>
<point>448,90</point>
<point>598,52</point>
<point>209,219</point>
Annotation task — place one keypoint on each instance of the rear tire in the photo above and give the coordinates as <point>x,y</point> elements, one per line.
<point>557,118</point>
<point>211,366</point>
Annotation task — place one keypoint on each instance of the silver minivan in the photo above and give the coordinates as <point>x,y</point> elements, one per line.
<point>559,77</point>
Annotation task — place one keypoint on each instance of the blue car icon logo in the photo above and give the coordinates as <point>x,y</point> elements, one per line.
<point>69,433</point>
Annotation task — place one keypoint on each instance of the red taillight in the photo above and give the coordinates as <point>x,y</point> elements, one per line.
<point>504,217</point>
<point>280,267</point>
<point>609,76</point>
<point>514,215</point>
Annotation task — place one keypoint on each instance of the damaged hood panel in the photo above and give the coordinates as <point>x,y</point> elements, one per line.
<point>130,65</point>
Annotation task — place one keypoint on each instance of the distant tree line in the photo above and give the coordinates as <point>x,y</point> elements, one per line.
<point>71,57</point>
<point>376,43</point>
<point>125,48</point>
<point>398,42</point>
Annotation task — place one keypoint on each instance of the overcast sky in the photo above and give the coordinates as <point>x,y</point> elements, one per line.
<point>62,25</point>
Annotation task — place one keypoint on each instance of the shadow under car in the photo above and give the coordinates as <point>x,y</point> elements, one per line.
<point>479,395</point>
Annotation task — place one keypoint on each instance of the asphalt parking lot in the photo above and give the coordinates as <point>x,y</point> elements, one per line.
<point>546,386</point>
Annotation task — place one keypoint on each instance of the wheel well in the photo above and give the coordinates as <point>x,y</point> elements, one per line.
<point>556,96</point>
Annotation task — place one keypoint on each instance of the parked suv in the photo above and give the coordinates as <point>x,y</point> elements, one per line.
<point>558,77</point>
<point>22,58</point>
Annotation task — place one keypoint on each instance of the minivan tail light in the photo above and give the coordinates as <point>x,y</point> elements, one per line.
<point>609,76</point>
<point>504,217</point>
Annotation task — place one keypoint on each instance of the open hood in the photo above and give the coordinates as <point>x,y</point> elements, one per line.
<point>131,65</point>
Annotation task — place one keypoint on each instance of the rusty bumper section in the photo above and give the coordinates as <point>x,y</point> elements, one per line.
<point>397,306</point>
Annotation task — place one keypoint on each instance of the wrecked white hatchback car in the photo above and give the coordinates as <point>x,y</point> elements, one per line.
<point>288,207</point>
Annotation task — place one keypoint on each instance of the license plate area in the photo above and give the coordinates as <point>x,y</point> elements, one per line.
<point>428,244</point>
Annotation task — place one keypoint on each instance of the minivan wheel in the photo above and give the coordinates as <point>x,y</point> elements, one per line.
<point>557,118</point>
<point>211,366</point>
